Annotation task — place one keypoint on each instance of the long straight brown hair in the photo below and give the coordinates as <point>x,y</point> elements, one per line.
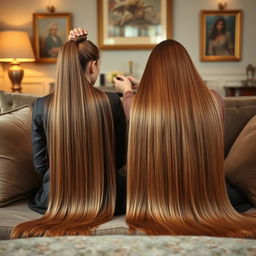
<point>81,151</point>
<point>176,182</point>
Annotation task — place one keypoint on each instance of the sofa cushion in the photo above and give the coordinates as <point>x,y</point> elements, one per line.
<point>18,212</point>
<point>240,164</point>
<point>14,214</point>
<point>10,101</point>
<point>17,175</point>
<point>238,111</point>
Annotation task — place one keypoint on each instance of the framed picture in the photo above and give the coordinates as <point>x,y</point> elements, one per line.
<point>133,24</point>
<point>221,35</point>
<point>50,33</point>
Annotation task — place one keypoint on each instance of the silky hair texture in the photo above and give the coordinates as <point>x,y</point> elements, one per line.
<point>176,182</point>
<point>81,151</point>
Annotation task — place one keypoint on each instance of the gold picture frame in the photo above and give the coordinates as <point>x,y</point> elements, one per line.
<point>221,35</point>
<point>50,32</point>
<point>140,27</point>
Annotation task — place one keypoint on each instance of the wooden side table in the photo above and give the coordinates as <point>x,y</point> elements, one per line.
<point>240,90</point>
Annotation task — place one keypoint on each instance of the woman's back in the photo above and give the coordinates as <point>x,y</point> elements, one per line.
<point>78,123</point>
<point>175,156</point>
<point>39,202</point>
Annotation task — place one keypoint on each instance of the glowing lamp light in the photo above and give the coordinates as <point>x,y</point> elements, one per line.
<point>15,47</point>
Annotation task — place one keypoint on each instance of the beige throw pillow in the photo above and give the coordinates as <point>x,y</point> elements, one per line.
<point>240,164</point>
<point>17,175</point>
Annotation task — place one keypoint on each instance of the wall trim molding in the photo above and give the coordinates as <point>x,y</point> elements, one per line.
<point>39,84</point>
<point>233,72</point>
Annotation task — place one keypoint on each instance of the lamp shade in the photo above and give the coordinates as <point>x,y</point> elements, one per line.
<point>15,46</point>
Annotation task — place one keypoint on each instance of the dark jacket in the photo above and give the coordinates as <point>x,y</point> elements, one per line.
<point>39,201</point>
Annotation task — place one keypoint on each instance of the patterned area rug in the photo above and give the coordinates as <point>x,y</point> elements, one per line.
<point>129,246</point>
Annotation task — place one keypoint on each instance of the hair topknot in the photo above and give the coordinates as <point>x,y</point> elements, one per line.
<point>80,38</point>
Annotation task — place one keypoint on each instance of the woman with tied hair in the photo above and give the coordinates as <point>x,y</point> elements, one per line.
<point>176,183</point>
<point>78,144</point>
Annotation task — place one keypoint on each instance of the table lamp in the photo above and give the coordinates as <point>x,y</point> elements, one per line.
<point>15,47</point>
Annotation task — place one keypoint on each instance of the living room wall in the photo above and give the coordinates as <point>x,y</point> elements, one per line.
<point>17,14</point>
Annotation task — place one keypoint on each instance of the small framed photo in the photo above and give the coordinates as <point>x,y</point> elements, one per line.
<point>51,31</point>
<point>139,24</point>
<point>221,35</point>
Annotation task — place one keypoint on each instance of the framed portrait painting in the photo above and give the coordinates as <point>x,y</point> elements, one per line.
<point>133,24</point>
<point>221,35</point>
<point>50,33</point>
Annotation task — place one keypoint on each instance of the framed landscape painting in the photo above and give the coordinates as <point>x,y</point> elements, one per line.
<point>133,24</point>
<point>221,35</point>
<point>50,33</point>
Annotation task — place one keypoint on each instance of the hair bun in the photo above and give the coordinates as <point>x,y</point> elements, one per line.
<point>80,38</point>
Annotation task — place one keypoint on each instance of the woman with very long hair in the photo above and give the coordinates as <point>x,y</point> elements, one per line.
<point>176,183</point>
<point>78,144</point>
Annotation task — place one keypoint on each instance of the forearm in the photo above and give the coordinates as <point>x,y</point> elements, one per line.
<point>127,101</point>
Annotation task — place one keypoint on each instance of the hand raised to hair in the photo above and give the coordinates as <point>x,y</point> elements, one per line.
<point>135,82</point>
<point>76,32</point>
<point>122,83</point>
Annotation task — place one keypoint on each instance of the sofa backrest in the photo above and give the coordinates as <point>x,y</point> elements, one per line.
<point>9,101</point>
<point>238,111</point>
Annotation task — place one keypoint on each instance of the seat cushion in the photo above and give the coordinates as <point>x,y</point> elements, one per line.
<point>14,214</point>
<point>17,176</point>
<point>18,212</point>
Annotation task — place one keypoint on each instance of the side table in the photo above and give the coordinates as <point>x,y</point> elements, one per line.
<point>240,90</point>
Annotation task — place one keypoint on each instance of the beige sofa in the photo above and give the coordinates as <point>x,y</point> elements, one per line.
<point>237,113</point>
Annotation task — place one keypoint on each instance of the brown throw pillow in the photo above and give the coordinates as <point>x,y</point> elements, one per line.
<point>240,164</point>
<point>17,175</point>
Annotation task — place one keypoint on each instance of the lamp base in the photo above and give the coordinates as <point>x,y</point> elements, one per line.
<point>16,73</point>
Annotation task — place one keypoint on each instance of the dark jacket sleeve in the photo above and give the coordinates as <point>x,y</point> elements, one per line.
<point>39,142</point>
<point>120,129</point>
<point>120,151</point>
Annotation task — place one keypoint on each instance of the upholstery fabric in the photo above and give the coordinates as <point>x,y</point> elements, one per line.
<point>129,246</point>
<point>240,164</point>
<point>238,111</point>
<point>10,101</point>
<point>17,175</point>
<point>18,212</point>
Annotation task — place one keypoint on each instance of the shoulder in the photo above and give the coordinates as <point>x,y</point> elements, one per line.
<point>41,101</point>
<point>116,105</point>
<point>39,106</point>
<point>114,101</point>
<point>219,100</point>
<point>113,97</point>
<point>217,95</point>
<point>48,39</point>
